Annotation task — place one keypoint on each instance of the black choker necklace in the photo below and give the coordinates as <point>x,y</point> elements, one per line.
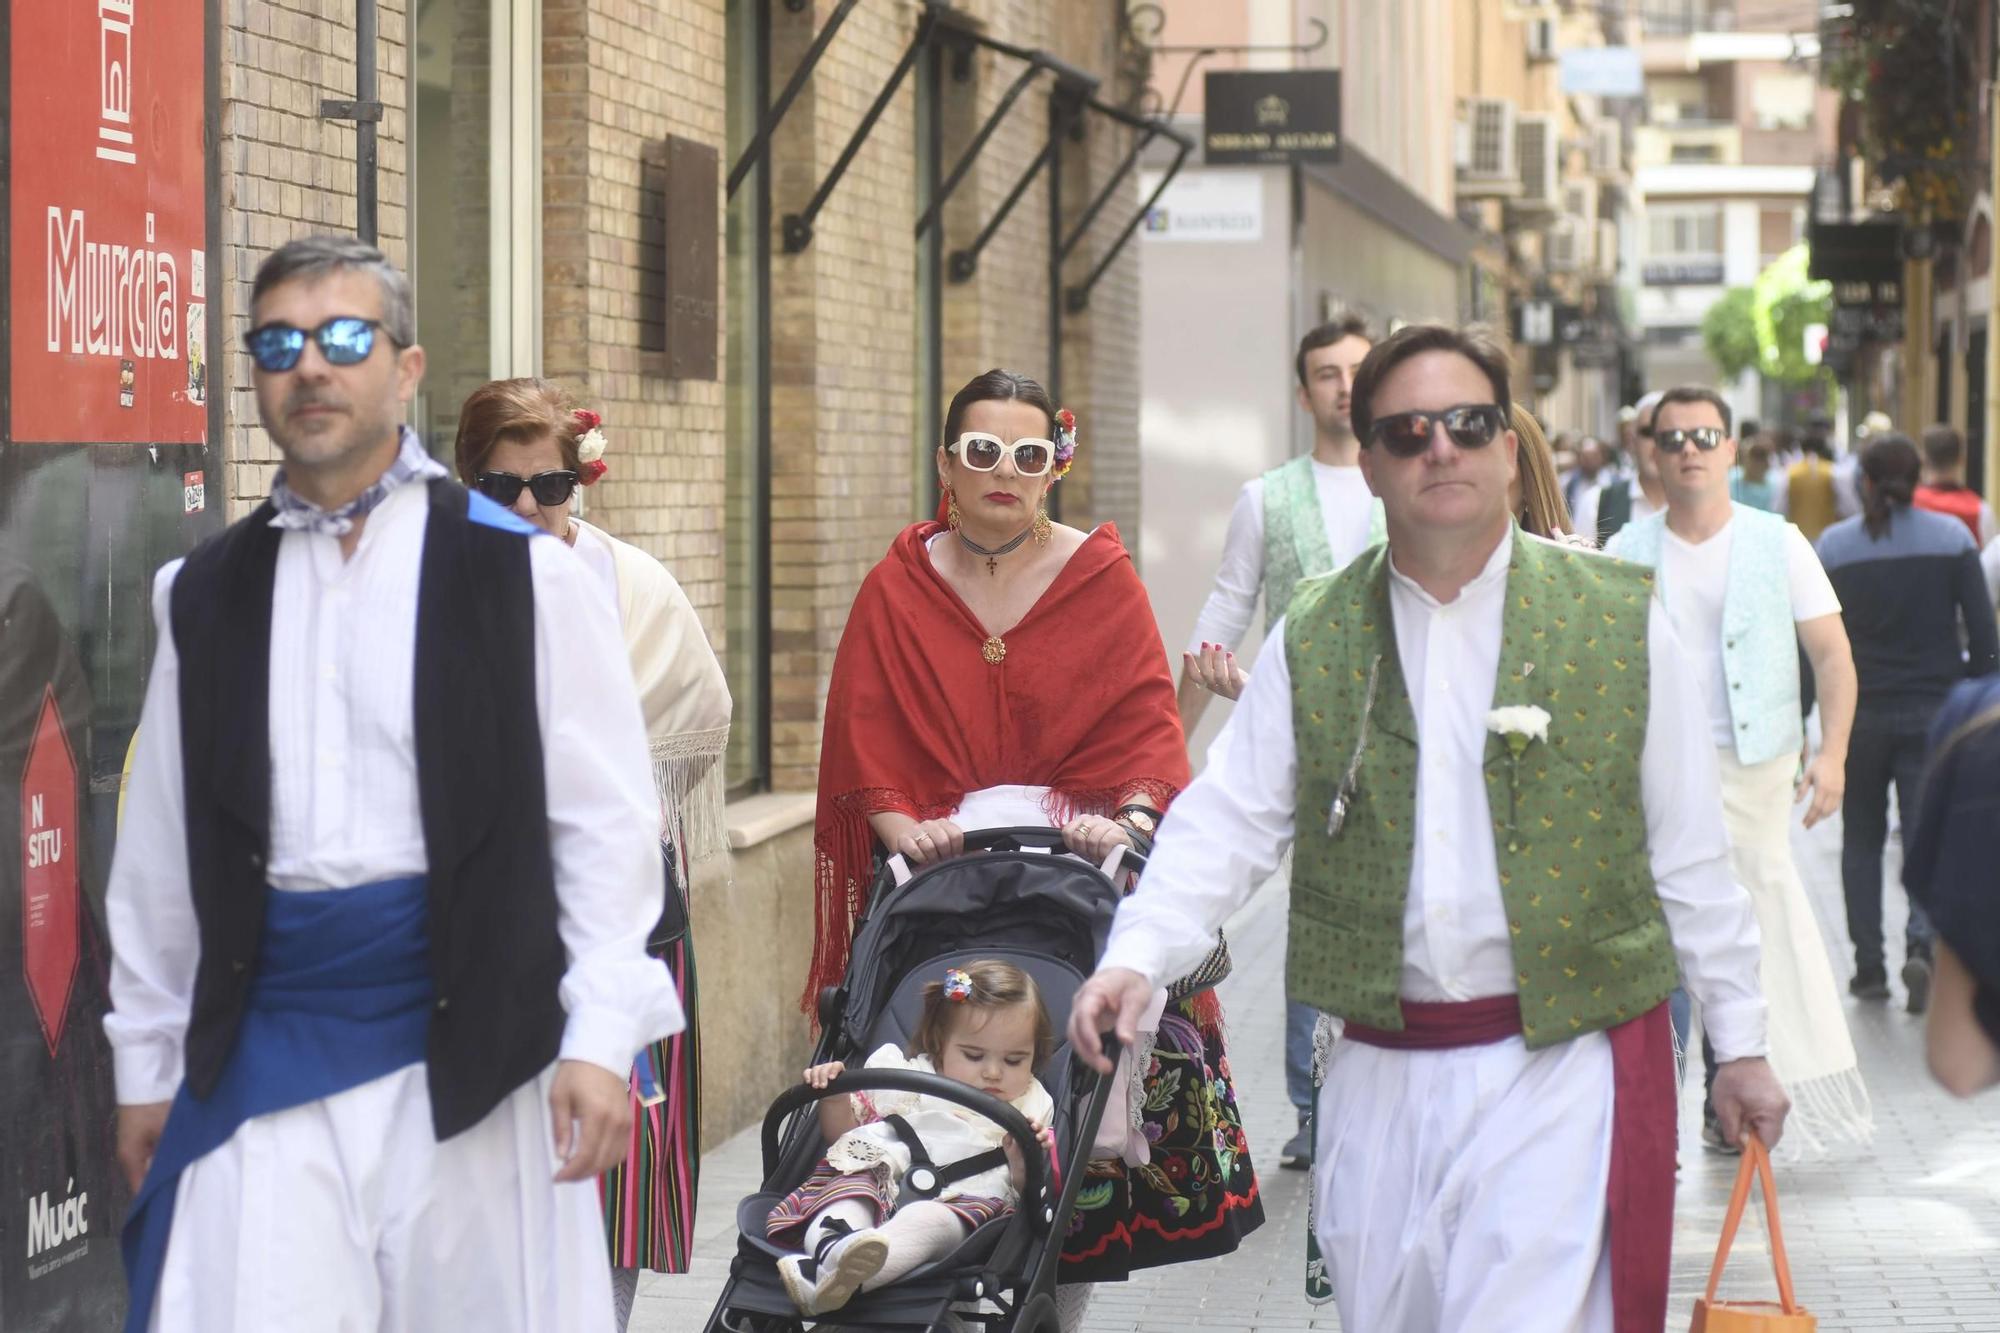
<point>993,556</point>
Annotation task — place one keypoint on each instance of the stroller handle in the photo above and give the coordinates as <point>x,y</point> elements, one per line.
<point>1040,837</point>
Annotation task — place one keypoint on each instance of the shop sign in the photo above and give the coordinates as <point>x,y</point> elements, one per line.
<point>1287,115</point>
<point>1682,273</point>
<point>1870,252</point>
<point>108,214</point>
<point>1205,206</point>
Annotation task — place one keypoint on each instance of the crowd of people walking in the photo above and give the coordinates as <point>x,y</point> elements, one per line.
<point>405,1003</point>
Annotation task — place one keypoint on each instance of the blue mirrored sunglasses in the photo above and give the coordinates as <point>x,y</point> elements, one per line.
<point>344,340</point>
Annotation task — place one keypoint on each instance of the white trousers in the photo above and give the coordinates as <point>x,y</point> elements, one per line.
<point>348,1216</point>
<point>1463,1191</point>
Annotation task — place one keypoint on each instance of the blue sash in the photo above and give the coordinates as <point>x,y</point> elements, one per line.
<point>341,996</point>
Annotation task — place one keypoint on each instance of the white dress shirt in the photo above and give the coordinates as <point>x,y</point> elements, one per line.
<point>1227,832</point>
<point>344,798</point>
<point>1346,506</point>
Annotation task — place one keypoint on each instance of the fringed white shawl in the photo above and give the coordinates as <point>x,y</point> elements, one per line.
<point>683,694</point>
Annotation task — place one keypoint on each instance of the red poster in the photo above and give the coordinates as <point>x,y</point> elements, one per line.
<point>109,282</point>
<point>50,883</point>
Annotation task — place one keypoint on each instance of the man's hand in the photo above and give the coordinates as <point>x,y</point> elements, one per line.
<point>1214,669</point>
<point>1115,994</point>
<point>1826,778</point>
<point>139,1129</point>
<point>593,1117</point>
<point>1748,1096</point>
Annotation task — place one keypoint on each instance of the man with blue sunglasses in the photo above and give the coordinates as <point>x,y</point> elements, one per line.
<point>379,966</point>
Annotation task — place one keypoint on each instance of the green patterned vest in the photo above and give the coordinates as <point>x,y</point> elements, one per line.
<point>1589,938</point>
<point>1295,545</point>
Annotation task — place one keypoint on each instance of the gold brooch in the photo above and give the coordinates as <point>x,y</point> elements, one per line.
<point>995,650</point>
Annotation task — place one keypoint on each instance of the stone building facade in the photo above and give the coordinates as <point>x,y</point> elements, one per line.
<point>524,180</point>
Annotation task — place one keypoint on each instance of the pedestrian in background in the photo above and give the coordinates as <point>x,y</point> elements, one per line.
<point>1953,844</point>
<point>1592,469</point>
<point>1751,483</point>
<point>1535,495</point>
<point>1809,486</point>
<point>1911,591</point>
<point>1943,489</point>
<point>1638,495</point>
<point>1743,590</point>
<point>1304,518</point>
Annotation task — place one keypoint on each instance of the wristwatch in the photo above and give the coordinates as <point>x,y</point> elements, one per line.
<point>1140,817</point>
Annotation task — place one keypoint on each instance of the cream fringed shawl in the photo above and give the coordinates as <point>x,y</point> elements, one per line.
<point>682,693</point>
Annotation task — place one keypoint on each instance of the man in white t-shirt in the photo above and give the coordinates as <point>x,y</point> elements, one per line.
<point>1308,517</point>
<point>1744,589</point>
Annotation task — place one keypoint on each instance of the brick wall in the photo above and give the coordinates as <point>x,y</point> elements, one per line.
<point>286,173</point>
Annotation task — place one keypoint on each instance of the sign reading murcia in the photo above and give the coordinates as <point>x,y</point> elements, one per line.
<point>108,215</point>
<point>50,884</point>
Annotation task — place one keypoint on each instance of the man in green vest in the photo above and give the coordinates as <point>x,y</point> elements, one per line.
<point>1304,518</point>
<point>1489,754</point>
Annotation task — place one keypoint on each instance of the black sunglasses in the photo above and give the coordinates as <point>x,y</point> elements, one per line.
<point>1704,438</point>
<point>1408,434</point>
<point>344,340</point>
<point>550,488</point>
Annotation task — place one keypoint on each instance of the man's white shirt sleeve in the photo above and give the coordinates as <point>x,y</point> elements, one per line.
<point>1709,915</point>
<point>1224,836</point>
<point>603,816</point>
<point>1232,603</point>
<point>149,906</point>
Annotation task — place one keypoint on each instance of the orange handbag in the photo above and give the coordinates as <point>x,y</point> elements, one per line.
<point>1713,1316</point>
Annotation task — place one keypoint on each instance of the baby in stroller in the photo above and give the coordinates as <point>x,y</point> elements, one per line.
<point>983,1025</point>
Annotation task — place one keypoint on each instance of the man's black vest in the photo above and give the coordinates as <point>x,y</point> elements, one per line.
<point>496,956</point>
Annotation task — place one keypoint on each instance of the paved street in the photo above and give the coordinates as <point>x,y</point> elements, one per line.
<point>1907,1237</point>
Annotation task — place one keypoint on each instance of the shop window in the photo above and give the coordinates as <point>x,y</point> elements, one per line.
<point>475,200</point>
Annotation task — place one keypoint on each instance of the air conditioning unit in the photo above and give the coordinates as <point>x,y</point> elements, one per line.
<point>1487,145</point>
<point>1580,201</point>
<point>1568,245</point>
<point>1537,147</point>
<point>1607,247</point>
<point>1607,150</point>
<point>1542,39</point>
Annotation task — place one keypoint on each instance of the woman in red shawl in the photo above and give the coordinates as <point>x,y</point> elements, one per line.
<point>999,669</point>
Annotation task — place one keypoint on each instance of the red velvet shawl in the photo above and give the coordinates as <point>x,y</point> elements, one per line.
<point>916,717</point>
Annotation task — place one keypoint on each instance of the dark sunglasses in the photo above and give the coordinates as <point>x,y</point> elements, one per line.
<point>1704,438</point>
<point>1408,434</point>
<point>344,340</point>
<point>550,488</point>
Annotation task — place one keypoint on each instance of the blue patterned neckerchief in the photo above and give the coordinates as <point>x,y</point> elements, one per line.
<point>297,514</point>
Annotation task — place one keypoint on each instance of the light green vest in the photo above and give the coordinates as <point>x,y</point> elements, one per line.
<point>1295,545</point>
<point>1590,940</point>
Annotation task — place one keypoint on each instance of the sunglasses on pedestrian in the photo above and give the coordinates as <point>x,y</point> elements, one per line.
<point>344,340</point>
<point>1704,438</point>
<point>549,488</point>
<point>1408,434</point>
<point>982,453</point>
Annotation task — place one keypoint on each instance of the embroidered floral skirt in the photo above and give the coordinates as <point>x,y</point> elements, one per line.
<point>648,1199</point>
<point>828,1186</point>
<point>1198,1197</point>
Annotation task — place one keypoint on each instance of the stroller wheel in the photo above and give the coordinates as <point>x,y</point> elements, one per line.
<point>1038,1316</point>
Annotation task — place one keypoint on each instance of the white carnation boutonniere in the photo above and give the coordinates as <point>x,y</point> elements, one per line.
<point>1518,727</point>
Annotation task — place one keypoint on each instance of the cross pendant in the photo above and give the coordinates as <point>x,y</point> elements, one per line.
<point>992,566</point>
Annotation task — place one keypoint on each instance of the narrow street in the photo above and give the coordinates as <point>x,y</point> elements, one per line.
<point>1906,1237</point>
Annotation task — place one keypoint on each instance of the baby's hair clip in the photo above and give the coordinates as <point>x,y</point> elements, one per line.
<point>957,985</point>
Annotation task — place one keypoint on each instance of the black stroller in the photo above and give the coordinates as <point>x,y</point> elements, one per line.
<point>1011,897</point>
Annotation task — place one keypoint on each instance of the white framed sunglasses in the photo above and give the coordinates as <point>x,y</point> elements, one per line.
<point>982,453</point>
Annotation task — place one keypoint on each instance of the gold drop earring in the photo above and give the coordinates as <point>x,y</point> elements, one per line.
<point>1044,529</point>
<point>952,518</point>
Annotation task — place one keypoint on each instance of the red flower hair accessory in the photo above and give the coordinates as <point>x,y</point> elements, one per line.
<point>590,444</point>
<point>1065,443</point>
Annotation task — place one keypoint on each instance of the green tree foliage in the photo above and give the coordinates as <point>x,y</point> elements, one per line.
<point>1729,331</point>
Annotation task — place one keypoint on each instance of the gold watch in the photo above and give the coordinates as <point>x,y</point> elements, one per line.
<point>1139,817</point>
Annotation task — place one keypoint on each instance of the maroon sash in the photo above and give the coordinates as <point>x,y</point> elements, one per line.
<point>1639,1200</point>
